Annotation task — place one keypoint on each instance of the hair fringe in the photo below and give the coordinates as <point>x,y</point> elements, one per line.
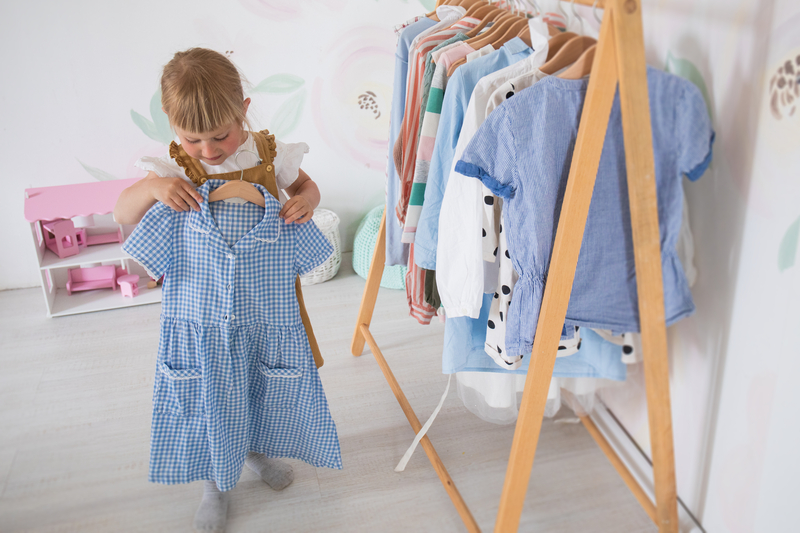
<point>202,90</point>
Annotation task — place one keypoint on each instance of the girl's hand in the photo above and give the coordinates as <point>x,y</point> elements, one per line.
<point>176,193</point>
<point>297,210</point>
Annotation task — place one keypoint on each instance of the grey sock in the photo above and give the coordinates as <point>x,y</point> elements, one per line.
<point>213,511</point>
<point>275,473</point>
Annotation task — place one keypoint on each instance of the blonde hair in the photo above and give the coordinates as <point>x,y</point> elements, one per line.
<point>201,91</point>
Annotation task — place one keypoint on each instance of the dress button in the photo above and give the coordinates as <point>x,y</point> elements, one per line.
<point>269,168</point>
<point>231,256</point>
<point>229,287</point>
<point>225,317</point>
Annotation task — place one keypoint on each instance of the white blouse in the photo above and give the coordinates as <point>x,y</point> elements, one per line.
<point>287,162</point>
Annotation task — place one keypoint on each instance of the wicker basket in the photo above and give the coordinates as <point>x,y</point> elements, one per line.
<point>328,224</point>
<point>394,277</point>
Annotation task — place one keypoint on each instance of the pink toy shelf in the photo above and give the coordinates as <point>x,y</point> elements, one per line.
<point>79,249</point>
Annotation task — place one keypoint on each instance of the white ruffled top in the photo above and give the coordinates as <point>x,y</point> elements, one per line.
<point>287,162</point>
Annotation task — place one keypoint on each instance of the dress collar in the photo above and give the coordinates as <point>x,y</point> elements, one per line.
<point>266,231</point>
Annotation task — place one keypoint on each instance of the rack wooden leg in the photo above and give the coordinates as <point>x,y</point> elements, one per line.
<point>371,289</point>
<point>620,467</point>
<point>561,274</point>
<point>430,451</point>
<point>639,160</point>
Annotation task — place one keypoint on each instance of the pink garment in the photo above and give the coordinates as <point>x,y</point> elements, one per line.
<point>454,54</point>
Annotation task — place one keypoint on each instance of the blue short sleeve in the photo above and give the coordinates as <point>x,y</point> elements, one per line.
<point>312,248</point>
<point>150,244</point>
<point>491,155</point>
<point>693,132</point>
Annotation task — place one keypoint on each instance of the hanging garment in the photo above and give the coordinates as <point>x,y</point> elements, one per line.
<point>418,281</point>
<point>508,156</point>
<point>234,370</point>
<point>464,352</point>
<point>456,99</point>
<point>427,136</point>
<point>406,145</point>
<point>405,150</point>
<point>460,261</point>
<point>396,251</point>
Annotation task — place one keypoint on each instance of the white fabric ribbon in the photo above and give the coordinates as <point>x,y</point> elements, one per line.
<point>404,461</point>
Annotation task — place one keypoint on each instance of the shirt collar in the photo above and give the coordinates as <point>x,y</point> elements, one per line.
<point>267,230</point>
<point>515,46</point>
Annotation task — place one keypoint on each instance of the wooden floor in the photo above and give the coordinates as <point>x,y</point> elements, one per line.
<point>75,397</point>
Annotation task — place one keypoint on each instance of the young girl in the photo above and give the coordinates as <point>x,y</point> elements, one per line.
<point>202,95</point>
<point>236,382</point>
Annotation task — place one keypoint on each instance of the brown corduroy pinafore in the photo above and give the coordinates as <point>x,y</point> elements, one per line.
<point>263,174</point>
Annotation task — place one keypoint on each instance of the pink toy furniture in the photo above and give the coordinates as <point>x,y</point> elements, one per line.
<point>105,238</point>
<point>129,285</point>
<point>50,212</point>
<point>85,279</point>
<point>61,237</point>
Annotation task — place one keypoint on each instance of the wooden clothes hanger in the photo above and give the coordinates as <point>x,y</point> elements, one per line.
<point>558,41</point>
<point>568,54</point>
<point>238,188</point>
<point>504,29</point>
<point>493,14</point>
<point>474,8</point>
<point>482,11</point>
<point>500,26</point>
<point>515,29</point>
<point>581,67</point>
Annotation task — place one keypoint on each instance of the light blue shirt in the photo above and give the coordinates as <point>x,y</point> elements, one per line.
<point>523,153</point>
<point>396,251</point>
<point>464,339</point>
<point>456,99</point>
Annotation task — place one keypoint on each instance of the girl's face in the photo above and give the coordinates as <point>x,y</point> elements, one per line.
<point>213,147</point>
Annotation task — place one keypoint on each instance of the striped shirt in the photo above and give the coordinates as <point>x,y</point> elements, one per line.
<point>409,132</point>
<point>427,137</point>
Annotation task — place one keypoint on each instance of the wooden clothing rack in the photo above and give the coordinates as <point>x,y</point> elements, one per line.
<point>619,58</point>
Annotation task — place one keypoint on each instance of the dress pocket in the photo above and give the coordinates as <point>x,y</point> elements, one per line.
<point>279,387</point>
<point>180,391</point>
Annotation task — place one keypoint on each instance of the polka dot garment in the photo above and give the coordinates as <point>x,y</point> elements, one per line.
<point>496,325</point>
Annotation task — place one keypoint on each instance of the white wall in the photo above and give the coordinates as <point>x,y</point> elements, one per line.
<point>73,72</point>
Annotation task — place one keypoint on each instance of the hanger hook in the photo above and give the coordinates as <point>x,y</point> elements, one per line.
<point>564,14</point>
<point>580,19</point>
<point>594,12</point>
<point>236,161</point>
<point>535,6</point>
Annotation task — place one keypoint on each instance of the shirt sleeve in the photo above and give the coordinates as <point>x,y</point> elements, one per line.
<point>693,132</point>
<point>288,158</point>
<point>491,155</point>
<point>164,167</point>
<point>312,248</point>
<point>150,244</point>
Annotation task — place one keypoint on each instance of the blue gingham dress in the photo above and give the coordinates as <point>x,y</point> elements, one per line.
<point>234,372</point>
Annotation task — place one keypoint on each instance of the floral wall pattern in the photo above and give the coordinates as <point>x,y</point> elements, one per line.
<point>351,97</point>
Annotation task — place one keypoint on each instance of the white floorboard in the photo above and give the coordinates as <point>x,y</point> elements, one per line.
<point>75,398</point>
